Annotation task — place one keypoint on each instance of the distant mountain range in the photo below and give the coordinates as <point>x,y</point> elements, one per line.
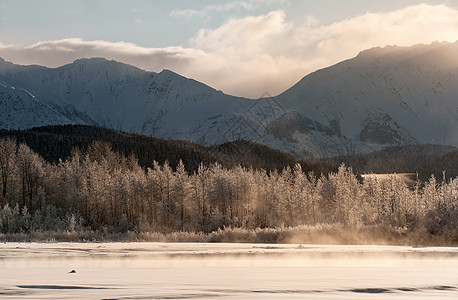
<point>390,96</point>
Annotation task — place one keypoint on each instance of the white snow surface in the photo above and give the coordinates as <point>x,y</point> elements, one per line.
<point>228,271</point>
<point>383,97</point>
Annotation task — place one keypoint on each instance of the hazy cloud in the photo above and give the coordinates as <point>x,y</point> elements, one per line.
<point>256,54</point>
<point>186,13</point>
<point>57,53</point>
<point>207,10</point>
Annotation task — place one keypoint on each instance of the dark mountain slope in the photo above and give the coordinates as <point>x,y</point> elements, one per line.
<point>424,159</point>
<point>56,142</point>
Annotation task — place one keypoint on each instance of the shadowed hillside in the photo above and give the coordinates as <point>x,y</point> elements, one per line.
<point>424,159</point>
<point>56,142</point>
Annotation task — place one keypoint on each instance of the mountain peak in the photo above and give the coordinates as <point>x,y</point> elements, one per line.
<point>85,60</point>
<point>412,50</point>
<point>170,73</point>
<point>99,62</point>
<point>97,65</point>
<point>377,51</point>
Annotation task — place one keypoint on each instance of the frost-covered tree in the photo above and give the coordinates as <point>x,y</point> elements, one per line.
<point>30,172</point>
<point>7,163</point>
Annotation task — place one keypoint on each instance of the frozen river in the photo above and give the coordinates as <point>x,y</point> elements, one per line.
<point>225,271</point>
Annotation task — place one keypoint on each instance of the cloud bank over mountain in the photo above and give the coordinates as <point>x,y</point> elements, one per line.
<point>256,54</point>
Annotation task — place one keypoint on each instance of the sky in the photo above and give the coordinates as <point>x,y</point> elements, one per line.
<point>242,47</point>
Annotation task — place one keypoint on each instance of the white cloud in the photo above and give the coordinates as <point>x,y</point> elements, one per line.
<point>250,34</point>
<point>187,13</point>
<point>257,54</point>
<point>207,10</point>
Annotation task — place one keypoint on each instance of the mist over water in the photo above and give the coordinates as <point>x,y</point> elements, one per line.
<point>229,271</point>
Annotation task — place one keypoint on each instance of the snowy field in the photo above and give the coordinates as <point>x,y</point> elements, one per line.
<point>226,271</point>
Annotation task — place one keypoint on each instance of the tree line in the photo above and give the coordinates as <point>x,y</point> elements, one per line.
<point>100,189</point>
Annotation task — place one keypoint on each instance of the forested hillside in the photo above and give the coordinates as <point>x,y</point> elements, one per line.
<point>103,190</point>
<point>57,142</point>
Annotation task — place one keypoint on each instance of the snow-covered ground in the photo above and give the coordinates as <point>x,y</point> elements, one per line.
<point>227,271</point>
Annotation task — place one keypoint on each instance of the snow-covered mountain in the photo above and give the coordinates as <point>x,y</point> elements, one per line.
<point>120,96</point>
<point>383,97</point>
